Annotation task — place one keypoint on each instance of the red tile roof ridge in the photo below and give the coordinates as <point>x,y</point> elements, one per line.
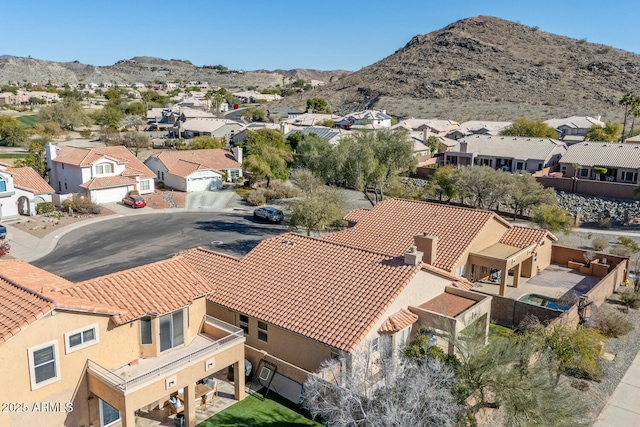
<point>398,321</point>
<point>344,245</point>
<point>209,251</point>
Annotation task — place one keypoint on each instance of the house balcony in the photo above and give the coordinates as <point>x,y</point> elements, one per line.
<point>216,337</point>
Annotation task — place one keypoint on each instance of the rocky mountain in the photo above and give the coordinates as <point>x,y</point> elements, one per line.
<point>146,69</point>
<point>489,68</point>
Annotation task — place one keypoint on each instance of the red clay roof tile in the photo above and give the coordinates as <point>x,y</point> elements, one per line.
<point>398,321</point>
<point>448,304</point>
<point>26,178</point>
<point>185,162</point>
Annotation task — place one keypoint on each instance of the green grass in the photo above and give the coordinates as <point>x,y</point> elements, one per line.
<point>496,331</point>
<point>29,121</point>
<point>274,411</point>
<point>13,155</point>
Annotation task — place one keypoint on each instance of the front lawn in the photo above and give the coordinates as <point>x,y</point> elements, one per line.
<point>273,411</point>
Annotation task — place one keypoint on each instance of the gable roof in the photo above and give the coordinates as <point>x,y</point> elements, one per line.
<point>510,146</point>
<point>575,122</point>
<point>108,182</point>
<point>481,127</point>
<point>398,321</point>
<point>435,124</point>
<point>184,162</point>
<point>608,154</point>
<point>321,131</point>
<point>390,226</point>
<point>207,124</point>
<point>521,237</point>
<point>152,289</point>
<point>84,157</point>
<point>26,178</point>
<point>325,291</point>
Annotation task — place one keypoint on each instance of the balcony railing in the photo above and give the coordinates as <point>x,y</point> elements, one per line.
<point>124,384</point>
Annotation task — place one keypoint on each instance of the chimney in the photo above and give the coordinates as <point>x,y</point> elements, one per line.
<point>463,146</point>
<point>51,151</point>
<point>284,127</point>
<point>237,154</point>
<point>426,245</point>
<point>412,256</point>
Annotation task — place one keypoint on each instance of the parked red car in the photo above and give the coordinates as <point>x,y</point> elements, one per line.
<point>134,202</point>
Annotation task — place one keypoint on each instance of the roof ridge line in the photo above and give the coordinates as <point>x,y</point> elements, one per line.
<point>338,244</point>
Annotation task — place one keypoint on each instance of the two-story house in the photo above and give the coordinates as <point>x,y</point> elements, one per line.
<point>573,129</point>
<point>108,349</point>
<point>367,119</point>
<point>21,190</point>
<point>509,153</point>
<point>104,174</point>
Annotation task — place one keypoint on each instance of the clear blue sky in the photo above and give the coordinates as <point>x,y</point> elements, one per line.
<point>285,34</point>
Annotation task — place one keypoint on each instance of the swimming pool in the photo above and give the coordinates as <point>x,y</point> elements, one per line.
<point>543,301</point>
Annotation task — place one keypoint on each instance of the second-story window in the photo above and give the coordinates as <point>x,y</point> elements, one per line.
<point>171,330</point>
<point>146,333</point>
<point>263,334</point>
<point>104,168</point>
<point>243,323</point>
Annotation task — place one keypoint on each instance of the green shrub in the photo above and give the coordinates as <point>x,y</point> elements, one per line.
<point>577,351</point>
<point>611,324</point>
<point>45,208</point>
<point>133,193</point>
<point>600,243</point>
<point>81,205</point>
<point>243,192</point>
<point>630,298</point>
<point>85,133</point>
<point>629,243</point>
<point>160,185</point>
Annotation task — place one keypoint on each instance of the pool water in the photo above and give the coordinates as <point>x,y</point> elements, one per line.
<point>542,301</point>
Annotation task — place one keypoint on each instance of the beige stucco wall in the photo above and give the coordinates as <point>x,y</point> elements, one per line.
<point>296,349</point>
<point>489,235</point>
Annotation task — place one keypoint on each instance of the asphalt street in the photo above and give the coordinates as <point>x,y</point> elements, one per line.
<point>126,242</point>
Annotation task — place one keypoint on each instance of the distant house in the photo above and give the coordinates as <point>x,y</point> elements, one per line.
<point>572,129</point>
<point>196,170</point>
<point>431,126</point>
<point>21,190</point>
<point>104,174</point>
<point>283,112</point>
<point>475,127</point>
<point>251,96</point>
<point>509,153</point>
<point>332,135</point>
<point>215,128</point>
<point>367,119</point>
<point>621,161</point>
<point>312,119</point>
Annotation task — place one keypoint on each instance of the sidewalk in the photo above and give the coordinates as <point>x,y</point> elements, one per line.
<point>623,406</point>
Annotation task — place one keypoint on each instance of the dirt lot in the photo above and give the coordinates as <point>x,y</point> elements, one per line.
<point>163,198</point>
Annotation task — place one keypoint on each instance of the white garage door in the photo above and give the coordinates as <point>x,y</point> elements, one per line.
<point>107,195</point>
<point>203,183</point>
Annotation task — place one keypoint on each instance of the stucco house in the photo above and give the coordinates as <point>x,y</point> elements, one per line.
<point>215,128</point>
<point>573,129</point>
<point>367,119</point>
<point>509,153</point>
<point>302,300</point>
<point>462,241</point>
<point>21,190</point>
<point>110,349</point>
<point>621,161</point>
<point>196,170</point>
<point>435,127</point>
<point>104,174</point>
<point>477,127</point>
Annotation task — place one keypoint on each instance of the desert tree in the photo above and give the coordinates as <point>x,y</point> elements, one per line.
<point>367,388</point>
<point>268,155</point>
<point>530,128</point>
<point>482,186</point>
<point>36,157</point>
<point>12,132</point>
<point>553,217</point>
<point>135,141</point>
<point>318,155</point>
<point>132,121</point>
<point>611,132</point>
<point>445,182</point>
<point>526,192</point>
<point>204,143</point>
<point>68,114</point>
<point>319,209</point>
<point>627,100</point>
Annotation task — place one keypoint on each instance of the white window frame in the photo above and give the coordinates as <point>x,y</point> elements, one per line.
<point>67,344</point>
<point>101,168</point>
<point>375,345</point>
<point>32,367</point>
<point>145,185</point>
<point>264,331</point>
<point>102,402</point>
<point>403,337</point>
<point>242,324</point>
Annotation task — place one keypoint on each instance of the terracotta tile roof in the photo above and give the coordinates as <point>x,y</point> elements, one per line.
<point>398,321</point>
<point>108,181</point>
<point>87,156</point>
<point>155,288</point>
<point>19,308</point>
<point>26,178</point>
<point>356,214</point>
<point>391,225</point>
<point>185,162</point>
<point>521,237</point>
<point>30,277</point>
<point>325,291</point>
<point>448,304</point>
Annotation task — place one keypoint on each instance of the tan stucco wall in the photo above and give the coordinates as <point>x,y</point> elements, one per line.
<point>304,352</point>
<point>491,234</point>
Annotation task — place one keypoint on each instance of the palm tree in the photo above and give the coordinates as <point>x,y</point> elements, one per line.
<point>626,100</point>
<point>635,111</point>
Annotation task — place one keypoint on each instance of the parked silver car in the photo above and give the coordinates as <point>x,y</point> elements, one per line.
<point>269,214</point>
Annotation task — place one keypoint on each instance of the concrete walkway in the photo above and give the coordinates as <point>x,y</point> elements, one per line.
<point>623,407</point>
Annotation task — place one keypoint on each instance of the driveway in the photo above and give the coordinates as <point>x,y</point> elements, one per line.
<point>216,199</point>
<point>126,242</point>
